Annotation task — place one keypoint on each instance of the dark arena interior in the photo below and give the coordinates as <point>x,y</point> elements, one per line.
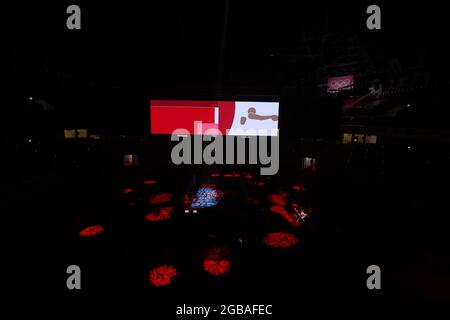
<point>97,203</point>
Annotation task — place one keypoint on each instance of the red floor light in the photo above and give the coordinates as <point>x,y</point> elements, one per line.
<point>232,175</point>
<point>162,275</point>
<point>127,190</point>
<point>150,182</point>
<point>298,188</point>
<point>215,174</point>
<point>291,219</point>
<point>278,210</point>
<point>160,214</point>
<point>92,231</point>
<point>160,199</point>
<point>216,267</point>
<point>216,262</point>
<point>278,199</point>
<point>280,240</point>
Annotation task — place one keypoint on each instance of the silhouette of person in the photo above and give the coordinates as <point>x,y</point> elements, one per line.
<point>254,116</point>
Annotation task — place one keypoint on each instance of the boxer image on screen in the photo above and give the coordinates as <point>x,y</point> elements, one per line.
<point>252,115</point>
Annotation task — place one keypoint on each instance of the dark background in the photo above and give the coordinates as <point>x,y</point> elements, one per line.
<point>104,75</point>
<point>385,204</point>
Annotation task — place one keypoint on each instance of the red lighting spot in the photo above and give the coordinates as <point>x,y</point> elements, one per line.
<point>216,262</point>
<point>160,198</point>
<point>162,275</point>
<point>149,182</point>
<point>291,219</point>
<point>277,198</point>
<point>92,231</point>
<point>215,174</point>
<point>216,267</point>
<point>278,210</point>
<point>232,175</point>
<point>298,188</point>
<point>280,240</point>
<point>248,176</point>
<point>159,214</point>
<point>127,190</point>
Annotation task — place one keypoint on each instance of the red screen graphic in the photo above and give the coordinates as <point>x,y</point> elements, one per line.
<point>218,117</point>
<point>171,118</point>
<point>169,115</point>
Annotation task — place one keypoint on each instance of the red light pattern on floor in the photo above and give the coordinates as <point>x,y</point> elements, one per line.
<point>162,275</point>
<point>291,219</point>
<point>160,199</point>
<point>232,175</point>
<point>248,176</point>
<point>215,174</point>
<point>216,267</point>
<point>127,190</point>
<point>280,240</point>
<point>216,262</point>
<point>278,199</point>
<point>160,214</point>
<point>150,182</point>
<point>298,188</point>
<point>92,231</point>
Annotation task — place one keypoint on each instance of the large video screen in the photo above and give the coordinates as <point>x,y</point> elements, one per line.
<point>214,117</point>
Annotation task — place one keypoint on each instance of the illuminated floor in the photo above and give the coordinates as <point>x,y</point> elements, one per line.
<point>218,232</point>
<point>215,236</point>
